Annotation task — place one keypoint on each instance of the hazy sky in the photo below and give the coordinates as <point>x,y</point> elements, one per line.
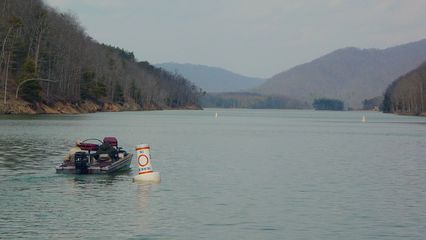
<point>251,37</point>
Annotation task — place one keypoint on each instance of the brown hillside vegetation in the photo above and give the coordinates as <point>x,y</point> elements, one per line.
<point>407,94</point>
<point>38,42</point>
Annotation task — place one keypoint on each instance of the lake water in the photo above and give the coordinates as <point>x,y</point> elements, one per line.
<point>248,174</point>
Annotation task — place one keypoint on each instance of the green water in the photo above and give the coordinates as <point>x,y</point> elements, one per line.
<point>248,174</point>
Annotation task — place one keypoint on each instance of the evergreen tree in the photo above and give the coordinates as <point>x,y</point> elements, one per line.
<point>328,104</point>
<point>29,91</point>
<point>118,94</point>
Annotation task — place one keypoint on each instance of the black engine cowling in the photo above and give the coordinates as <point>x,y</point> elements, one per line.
<point>81,162</point>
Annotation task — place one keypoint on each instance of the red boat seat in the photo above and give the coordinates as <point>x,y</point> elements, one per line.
<point>88,146</point>
<point>111,140</point>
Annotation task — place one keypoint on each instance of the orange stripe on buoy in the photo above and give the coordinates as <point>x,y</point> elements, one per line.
<point>142,148</point>
<point>145,172</point>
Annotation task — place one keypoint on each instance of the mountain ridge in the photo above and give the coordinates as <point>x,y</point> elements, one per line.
<point>212,79</point>
<point>350,74</point>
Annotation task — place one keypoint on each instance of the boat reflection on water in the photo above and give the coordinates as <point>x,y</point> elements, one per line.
<point>101,180</point>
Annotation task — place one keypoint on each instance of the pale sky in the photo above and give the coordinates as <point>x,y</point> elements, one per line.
<point>258,38</point>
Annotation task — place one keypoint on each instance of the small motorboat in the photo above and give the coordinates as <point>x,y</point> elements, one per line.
<point>94,158</point>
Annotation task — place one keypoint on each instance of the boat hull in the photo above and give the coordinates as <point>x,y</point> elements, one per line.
<point>121,164</point>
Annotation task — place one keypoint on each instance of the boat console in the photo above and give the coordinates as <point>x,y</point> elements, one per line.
<point>88,146</point>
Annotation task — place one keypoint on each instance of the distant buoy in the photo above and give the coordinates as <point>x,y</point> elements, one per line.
<point>216,115</point>
<point>146,173</point>
<point>364,119</point>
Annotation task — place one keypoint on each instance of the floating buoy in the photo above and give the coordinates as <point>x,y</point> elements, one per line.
<point>216,115</point>
<point>146,173</point>
<point>364,119</point>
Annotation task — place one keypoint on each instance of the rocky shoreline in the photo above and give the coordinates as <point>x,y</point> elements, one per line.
<point>22,107</point>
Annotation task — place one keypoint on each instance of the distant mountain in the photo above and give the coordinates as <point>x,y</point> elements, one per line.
<point>212,79</point>
<point>407,94</point>
<point>349,74</point>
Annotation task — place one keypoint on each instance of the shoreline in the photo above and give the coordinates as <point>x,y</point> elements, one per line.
<point>19,107</point>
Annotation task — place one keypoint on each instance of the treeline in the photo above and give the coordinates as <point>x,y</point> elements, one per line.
<point>374,103</point>
<point>328,104</point>
<point>407,94</point>
<point>250,100</point>
<point>37,42</point>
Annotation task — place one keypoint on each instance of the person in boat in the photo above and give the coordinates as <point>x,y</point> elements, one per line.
<point>106,152</point>
<point>69,158</point>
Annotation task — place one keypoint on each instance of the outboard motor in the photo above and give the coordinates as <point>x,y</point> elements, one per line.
<point>81,162</point>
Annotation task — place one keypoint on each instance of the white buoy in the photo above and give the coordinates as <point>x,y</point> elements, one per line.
<point>364,119</point>
<point>216,115</point>
<point>146,173</point>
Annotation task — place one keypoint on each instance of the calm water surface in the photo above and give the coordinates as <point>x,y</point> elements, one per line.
<point>249,174</point>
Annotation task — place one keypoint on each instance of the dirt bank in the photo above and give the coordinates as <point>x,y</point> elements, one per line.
<point>22,107</point>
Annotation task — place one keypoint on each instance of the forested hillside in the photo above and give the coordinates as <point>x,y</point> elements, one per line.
<point>250,100</point>
<point>38,42</point>
<point>407,94</point>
